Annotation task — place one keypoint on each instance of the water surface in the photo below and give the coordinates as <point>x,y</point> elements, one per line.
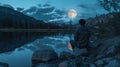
<point>17,48</point>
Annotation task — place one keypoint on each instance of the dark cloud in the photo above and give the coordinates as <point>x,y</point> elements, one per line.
<point>20,9</point>
<point>30,10</point>
<point>60,12</point>
<point>90,10</point>
<point>39,5</point>
<point>46,5</point>
<point>83,6</point>
<point>92,7</point>
<point>45,10</point>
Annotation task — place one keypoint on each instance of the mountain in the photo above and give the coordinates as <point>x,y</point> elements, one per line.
<point>9,18</point>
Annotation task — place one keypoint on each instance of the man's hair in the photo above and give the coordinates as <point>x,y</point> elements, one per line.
<point>82,22</point>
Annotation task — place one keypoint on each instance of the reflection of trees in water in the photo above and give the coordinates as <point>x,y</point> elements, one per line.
<point>11,40</point>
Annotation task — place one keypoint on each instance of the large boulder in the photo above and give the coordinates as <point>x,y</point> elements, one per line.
<point>46,65</point>
<point>65,55</point>
<point>3,64</point>
<point>67,64</point>
<point>108,62</point>
<point>109,48</point>
<point>113,63</point>
<point>44,55</point>
<point>100,63</point>
<point>78,52</point>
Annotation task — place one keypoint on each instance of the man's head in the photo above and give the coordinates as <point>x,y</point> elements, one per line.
<point>82,22</point>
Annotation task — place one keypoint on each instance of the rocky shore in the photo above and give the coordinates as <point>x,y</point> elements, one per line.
<point>104,54</point>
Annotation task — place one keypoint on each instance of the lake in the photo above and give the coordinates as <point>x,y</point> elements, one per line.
<point>16,48</point>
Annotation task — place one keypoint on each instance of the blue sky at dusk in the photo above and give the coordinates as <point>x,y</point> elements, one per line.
<point>84,8</point>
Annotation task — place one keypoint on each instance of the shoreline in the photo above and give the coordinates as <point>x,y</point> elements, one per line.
<point>37,30</point>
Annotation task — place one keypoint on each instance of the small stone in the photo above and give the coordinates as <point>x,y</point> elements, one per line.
<point>113,63</point>
<point>100,63</point>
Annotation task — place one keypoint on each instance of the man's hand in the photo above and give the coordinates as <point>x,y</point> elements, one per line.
<point>70,46</point>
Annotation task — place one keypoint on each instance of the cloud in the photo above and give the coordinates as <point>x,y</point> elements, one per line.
<point>45,12</point>
<point>87,15</point>
<point>46,5</point>
<point>92,7</point>
<point>89,10</point>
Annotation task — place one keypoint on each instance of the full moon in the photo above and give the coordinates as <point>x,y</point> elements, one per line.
<point>72,13</point>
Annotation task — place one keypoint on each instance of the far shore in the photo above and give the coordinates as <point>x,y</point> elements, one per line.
<point>37,30</point>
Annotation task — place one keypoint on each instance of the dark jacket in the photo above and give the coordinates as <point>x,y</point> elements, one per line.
<point>81,37</point>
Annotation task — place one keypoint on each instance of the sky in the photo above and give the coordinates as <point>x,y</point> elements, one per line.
<point>84,8</point>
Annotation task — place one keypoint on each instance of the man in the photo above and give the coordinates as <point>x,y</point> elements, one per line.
<point>81,37</point>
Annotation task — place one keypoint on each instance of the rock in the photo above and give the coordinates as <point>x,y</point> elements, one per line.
<point>93,65</point>
<point>77,51</point>
<point>100,63</point>
<point>44,55</point>
<point>85,61</point>
<point>3,64</point>
<point>107,60</point>
<point>104,61</point>
<point>114,63</point>
<point>109,48</point>
<point>65,55</point>
<point>67,64</point>
<point>45,65</point>
<point>63,64</point>
<point>111,51</point>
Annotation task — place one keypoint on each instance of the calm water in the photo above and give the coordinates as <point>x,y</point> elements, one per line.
<point>16,49</point>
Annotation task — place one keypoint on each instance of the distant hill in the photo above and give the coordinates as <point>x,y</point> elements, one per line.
<point>9,18</point>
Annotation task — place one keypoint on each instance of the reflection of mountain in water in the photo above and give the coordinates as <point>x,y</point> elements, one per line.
<point>11,40</point>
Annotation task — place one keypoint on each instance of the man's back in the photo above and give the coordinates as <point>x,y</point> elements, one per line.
<point>82,36</point>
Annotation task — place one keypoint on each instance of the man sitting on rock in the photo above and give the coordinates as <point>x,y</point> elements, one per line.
<point>81,37</point>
